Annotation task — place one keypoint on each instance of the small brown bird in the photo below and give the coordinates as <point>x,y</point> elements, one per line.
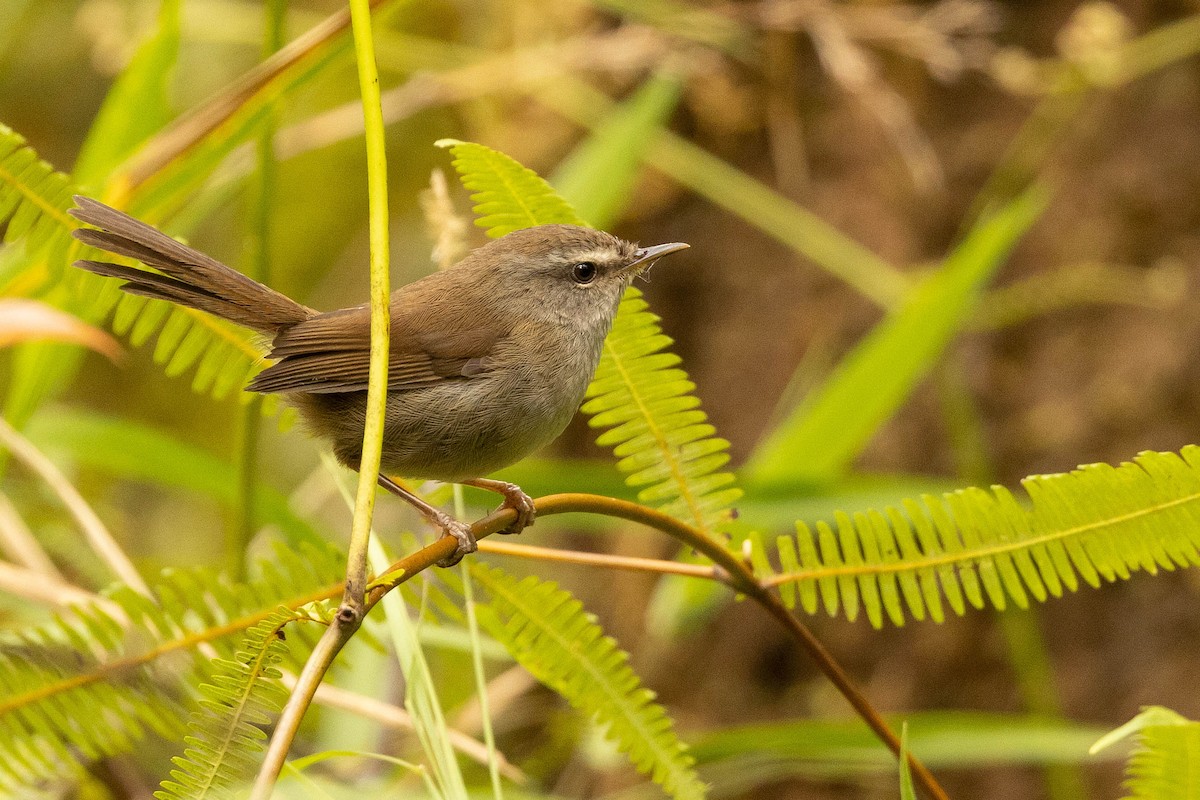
<point>489,359</point>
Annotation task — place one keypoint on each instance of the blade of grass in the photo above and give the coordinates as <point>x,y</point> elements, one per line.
<point>132,451</point>
<point>136,107</point>
<point>743,196</point>
<point>599,176</point>
<point>94,530</point>
<point>819,440</point>
<point>420,696</point>
<point>907,790</point>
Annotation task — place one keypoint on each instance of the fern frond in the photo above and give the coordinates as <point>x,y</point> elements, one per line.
<point>34,199</point>
<point>224,735</point>
<point>549,633</point>
<point>655,425</point>
<point>977,547</point>
<point>639,394</point>
<point>1166,764</point>
<point>91,682</point>
<point>507,195</point>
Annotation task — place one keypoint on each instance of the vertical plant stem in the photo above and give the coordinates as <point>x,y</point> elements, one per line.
<point>258,267</point>
<point>1030,661</point>
<point>368,471</point>
<point>350,613</point>
<point>319,661</point>
<point>485,713</point>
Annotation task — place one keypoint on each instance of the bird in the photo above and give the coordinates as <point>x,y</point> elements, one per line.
<point>489,359</point>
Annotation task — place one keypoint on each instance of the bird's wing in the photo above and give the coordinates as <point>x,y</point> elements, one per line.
<point>331,352</point>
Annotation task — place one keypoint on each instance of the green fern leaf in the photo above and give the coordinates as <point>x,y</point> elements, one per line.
<point>224,735</point>
<point>34,198</point>
<point>87,684</point>
<point>1165,765</point>
<point>655,425</point>
<point>507,195</point>
<point>639,394</point>
<point>549,633</point>
<point>984,548</point>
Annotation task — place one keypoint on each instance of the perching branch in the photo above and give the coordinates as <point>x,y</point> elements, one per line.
<point>728,568</point>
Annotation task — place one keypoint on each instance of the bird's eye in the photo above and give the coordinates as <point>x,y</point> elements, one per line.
<point>583,272</point>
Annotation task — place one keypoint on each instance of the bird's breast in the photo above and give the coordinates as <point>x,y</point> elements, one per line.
<point>469,428</point>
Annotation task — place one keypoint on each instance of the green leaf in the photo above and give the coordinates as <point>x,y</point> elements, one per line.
<point>985,548</point>
<point>89,684</point>
<point>907,790</point>
<point>740,759</point>
<point>1149,716</point>
<point>136,106</point>
<point>224,737</point>
<point>507,196</point>
<point>175,183</point>
<point>598,178</point>
<point>35,198</point>
<point>549,633</point>
<point>820,439</point>
<point>1166,763</point>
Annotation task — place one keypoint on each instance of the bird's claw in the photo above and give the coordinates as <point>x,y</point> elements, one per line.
<point>520,502</point>
<point>461,531</point>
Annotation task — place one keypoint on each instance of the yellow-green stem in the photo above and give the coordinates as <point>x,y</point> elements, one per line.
<point>351,611</point>
<point>368,471</point>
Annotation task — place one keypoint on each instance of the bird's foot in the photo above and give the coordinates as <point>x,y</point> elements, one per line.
<point>518,501</point>
<point>461,531</point>
<point>514,498</point>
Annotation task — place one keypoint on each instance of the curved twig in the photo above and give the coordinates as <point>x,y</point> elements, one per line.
<point>729,569</point>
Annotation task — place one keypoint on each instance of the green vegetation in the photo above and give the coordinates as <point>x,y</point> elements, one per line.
<point>170,596</point>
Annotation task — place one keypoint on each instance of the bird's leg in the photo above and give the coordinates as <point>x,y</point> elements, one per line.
<point>449,525</point>
<point>514,498</point>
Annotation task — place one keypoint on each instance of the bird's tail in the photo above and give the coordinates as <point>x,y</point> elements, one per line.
<point>188,277</point>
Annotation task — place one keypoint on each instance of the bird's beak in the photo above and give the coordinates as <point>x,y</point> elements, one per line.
<point>645,257</point>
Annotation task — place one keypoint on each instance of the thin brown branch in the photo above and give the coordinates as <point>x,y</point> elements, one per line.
<point>656,565</point>
<point>736,574</point>
<point>396,718</point>
<point>53,591</point>
<point>94,530</point>
<point>187,131</point>
<point>19,543</point>
<point>328,646</point>
<point>845,684</point>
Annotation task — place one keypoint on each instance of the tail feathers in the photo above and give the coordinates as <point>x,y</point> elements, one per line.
<point>162,287</point>
<point>190,278</point>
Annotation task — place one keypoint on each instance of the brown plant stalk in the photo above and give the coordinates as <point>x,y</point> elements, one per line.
<point>728,568</point>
